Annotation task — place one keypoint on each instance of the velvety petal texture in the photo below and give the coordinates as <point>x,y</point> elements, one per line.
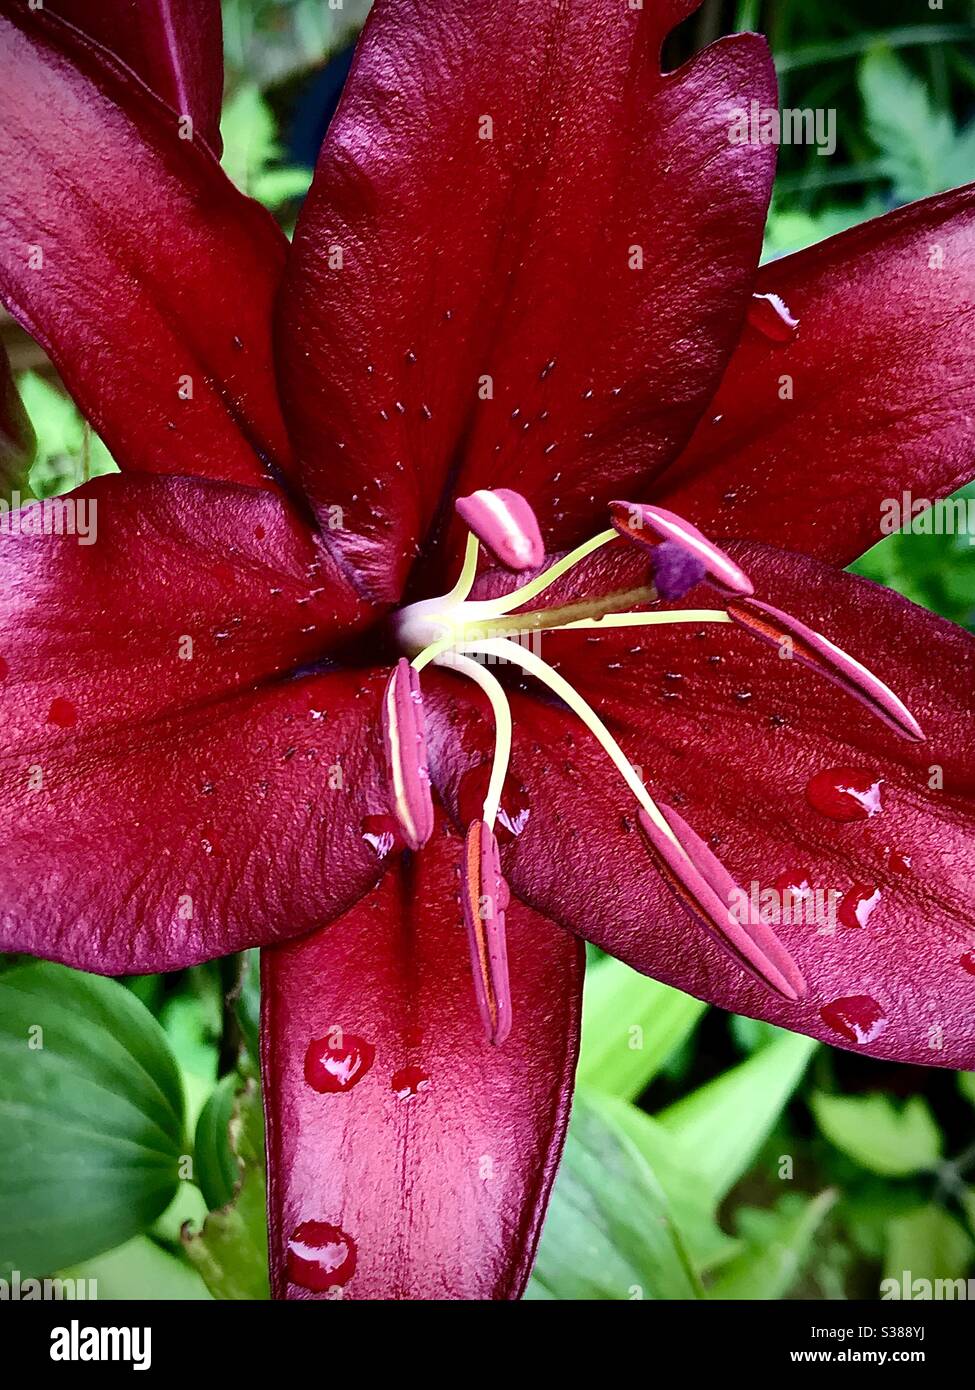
<point>874,394</point>
<point>176,47</point>
<point>524,262</point>
<point>128,254</point>
<point>16,433</point>
<point>408,1158</point>
<point>169,788</point>
<point>732,735</point>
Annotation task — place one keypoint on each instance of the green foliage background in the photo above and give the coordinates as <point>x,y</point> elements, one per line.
<point>709,1156</point>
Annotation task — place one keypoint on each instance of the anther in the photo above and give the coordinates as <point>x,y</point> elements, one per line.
<point>484,900</point>
<point>404,739</point>
<point>506,525</point>
<point>653,527</point>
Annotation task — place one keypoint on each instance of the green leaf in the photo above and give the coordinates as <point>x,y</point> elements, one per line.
<point>631,1025</point>
<point>927,1244</point>
<point>915,139</point>
<point>726,1121</point>
<point>882,1137</point>
<point>610,1233</point>
<point>91,1118</point>
<point>18,443</point>
<point>779,1242</point>
<point>966,1085</point>
<point>230,1251</point>
<point>675,1168</point>
<point>143,1270</point>
<point>215,1165</point>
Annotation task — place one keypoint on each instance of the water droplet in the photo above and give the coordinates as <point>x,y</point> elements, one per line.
<point>259,533</point>
<point>206,788</point>
<point>967,962</point>
<point>337,1062</point>
<point>858,904</point>
<point>320,1256</point>
<point>411,358</point>
<point>514,812</point>
<point>62,713</point>
<point>547,369</point>
<point>4,669</point>
<point>857,1018</point>
<point>743,696</point>
<point>409,1082</point>
<point>898,862</point>
<point>797,882</point>
<point>382,833</point>
<point>845,793</point>
<point>768,313</point>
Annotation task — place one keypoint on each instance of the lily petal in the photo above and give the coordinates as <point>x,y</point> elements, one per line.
<point>872,395</point>
<point>525,250</point>
<point>176,47</point>
<point>156,716</point>
<point>435,1166</point>
<point>144,274</point>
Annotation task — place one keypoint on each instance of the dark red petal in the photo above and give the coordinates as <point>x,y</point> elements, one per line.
<point>882,382</point>
<point>176,47</point>
<point>429,259</point>
<point>733,737</point>
<point>166,791</point>
<point>130,257</point>
<point>16,433</point>
<point>435,1166</point>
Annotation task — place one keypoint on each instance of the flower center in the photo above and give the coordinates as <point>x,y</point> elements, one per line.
<point>464,635</point>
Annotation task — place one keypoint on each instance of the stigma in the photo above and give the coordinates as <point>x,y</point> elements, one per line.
<point>464,635</point>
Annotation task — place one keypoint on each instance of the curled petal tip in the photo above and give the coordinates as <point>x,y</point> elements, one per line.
<point>485,899</point>
<point>653,526</point>
<point>405,742</point>
<point>770,315</point>
<point>795,640</point>
<point>710,894</point>
<point>505,524</point>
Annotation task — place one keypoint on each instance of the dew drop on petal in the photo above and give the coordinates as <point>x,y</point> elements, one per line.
<point>898,862</point>
<point>382,834</point>
<point>4,669</point>
<point>967,962</point>
<point>514,812</point>
<point>320,1256</point>
<point>769,314</point>
<point>337,1062</point>
<point>62,713</point>
<point>857,905</point>
<point>409,1082</point>
<point>857,1018</point>
<point>845,793</point>
<point>796,882</point>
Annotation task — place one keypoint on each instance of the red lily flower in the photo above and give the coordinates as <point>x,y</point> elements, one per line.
<point>522,278</point>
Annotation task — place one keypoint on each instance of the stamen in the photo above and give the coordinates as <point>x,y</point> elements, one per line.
<point>518,656</point>
<point>504,523</point>
<point>707,891</point>
<point>651,526</point>
<point>485,899</point>
<point>795,639</point>
<point>404,739</point>
<point>487,608</point>
<point>468,573</point>
<point>494,690</point>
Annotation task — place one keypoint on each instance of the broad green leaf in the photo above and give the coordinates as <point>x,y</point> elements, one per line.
<point>630,1026</point>
<point>91,1118</point>
<point>140,1269</point>
<point>927,1244</point>
<point>251,150</point>
<point>215,1166</point>
<point>673,1166</point>
<point>610,1233</point>
<point>779,1242</point>
<point>915,138</point>
<point>67,450</point>
<point>966,1084</point>
<point>724,1123</point>
<point>230,1251</point>
<point>894,1141</point>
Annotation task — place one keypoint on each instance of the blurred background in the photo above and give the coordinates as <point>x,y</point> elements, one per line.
<point>709,1156</point>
